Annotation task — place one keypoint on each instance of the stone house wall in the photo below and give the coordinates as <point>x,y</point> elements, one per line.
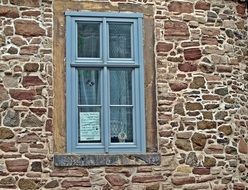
<point>201,61</point>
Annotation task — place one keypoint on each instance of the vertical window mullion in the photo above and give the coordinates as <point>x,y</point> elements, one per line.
<point>105,88</point>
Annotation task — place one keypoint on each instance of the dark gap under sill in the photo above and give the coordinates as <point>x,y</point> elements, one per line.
<point>92,160</point>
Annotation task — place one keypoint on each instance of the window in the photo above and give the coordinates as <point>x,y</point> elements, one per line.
<point>104,83</point>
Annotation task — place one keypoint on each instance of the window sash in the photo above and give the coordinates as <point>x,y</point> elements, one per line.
<point>104,64</point>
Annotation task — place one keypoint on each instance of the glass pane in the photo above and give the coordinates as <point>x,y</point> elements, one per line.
<point>89,125</point>
<point>89,87</point>
<point>88,40</point>
<point>121,87</point>
<point>120,40</point>
<point>121,121</point>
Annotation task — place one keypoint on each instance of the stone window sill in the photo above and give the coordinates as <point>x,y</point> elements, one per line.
<point>92,160</point>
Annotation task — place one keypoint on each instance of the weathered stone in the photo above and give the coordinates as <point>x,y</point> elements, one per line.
<point>32,81</point>
<point>178,86</point>
<point>12,119</point>
<point>221,115</point>
<point>187,67</point>
<point>214,149</point>
<point>206,40</point>
<point>8,147</point>
<point>209,162</point>
<point>22,27</point>
<point>241,9</point>
<point>10,81</point>
<point>210,97</point>
<point>147,178</point>
<point>52,184</point>
<point>31,13</point>
<point>116,180</point>
<point>183,144</point>
<point>206,124</point>
<point>207,68</point>
<point>192,159</point>
<point>203,5</point>
<point>38,111</point>
<point>243,146</point>
<point>6,133</point>
<point>28,3</point>
<point>192,106</point>
<point>153,187</point>
<point>176,30</point>
<point>17,165</point>
<point>192,54</point>
<point>180,7</point>
<point>25,184</point>
<point>179,109</point>
<point>18,41</point>
<point>29,50</point>
<point>210,31</point>
<point>164,47</point>
<point>221,91</point>
<point>213,50</point>
<point>224,69</point>
<point>184,135</point>
<point>3,94</point>
<point>12,50</point>
<point>184,169</point>
<point>36,167</point>
<point>75,183</point>
<point>182,180</point>
<point>20,94</point>
<point>31,67</point>
<point>28,138</point>
<point>201,171</point>
<point>2,40</point>
<point>239,186</point>
<point>8,182</point>
<point>8,31</point>
<point>31,121</point>
<point>226,129</point>
<point>199,141</point>
<point>231,150</point>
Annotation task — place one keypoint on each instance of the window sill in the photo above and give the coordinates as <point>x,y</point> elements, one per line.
<point>92,160</point>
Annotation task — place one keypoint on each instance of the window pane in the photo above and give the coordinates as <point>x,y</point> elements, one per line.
<point>88,40</point>
<point>89,125</point>
<point>121,121</point>
<point>121,87</point>
<point>119,40</point>
<point>89,87</point>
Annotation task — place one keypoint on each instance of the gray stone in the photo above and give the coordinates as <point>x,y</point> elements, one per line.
<point>3,94</point>
<point>107,160</point>
<point>31,121</point>
<point>10,81</point>
<point>221,91</point>
<point>192,159</point>
<point>11,119</point>
<point>183,144</point>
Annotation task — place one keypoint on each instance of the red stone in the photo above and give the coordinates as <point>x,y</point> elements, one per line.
<point>8,147</point>
<point>241,9</point>
<point>11,12</point>
<point>192,54</point>
<point>49,126</point>
<point>32,81</point>
<point>164,47</point>
<point>180,7</point>
<point>18,41</point>
<point>178,86</point>
<point>182,180</point>
<point>147,178</point>
<point>224,69</point>
<point>187,67</point>
<point>20,94</point>
<point>28,138</point>
<point>73,183</point>
<point>243,146</point>
<point>38,111</point>
<point>35,156</point>
<point>239,186</point>
<point>210,97</point>
<point>17,165</point>
<point>29,50</point>
<point>176,29</point>
<point>28,3</point>
<point>209,40</point>
<point>166,133</point>
<point>31,13</point>
<point>28,28</point>
<point>202,5</point>
<point>201,171</point>
<point>116,180</point>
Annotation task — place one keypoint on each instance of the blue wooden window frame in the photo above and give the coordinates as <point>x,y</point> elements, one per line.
<point>104,64</point>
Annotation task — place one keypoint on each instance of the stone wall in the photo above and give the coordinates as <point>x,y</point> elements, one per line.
<point>201,58</point>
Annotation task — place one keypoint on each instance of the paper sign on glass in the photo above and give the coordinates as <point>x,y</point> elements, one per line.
<point>89,126</point>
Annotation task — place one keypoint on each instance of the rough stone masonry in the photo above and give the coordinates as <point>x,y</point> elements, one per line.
<point>201,57</point>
